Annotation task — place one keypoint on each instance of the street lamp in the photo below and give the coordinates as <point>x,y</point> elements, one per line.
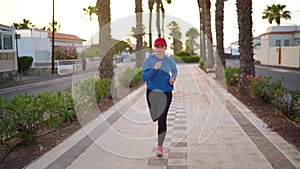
<point>52,57</point>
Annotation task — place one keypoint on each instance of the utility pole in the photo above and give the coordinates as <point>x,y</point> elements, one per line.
<point>52,57</point>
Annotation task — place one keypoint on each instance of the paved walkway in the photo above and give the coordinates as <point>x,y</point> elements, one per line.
<point>207,128</point>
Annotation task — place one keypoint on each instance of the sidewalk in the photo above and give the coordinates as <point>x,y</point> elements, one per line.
<point>207,128</point>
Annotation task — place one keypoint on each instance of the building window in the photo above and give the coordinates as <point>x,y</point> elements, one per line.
<point>7,42</point>
<point>286,42</point>
<point>278,43</point>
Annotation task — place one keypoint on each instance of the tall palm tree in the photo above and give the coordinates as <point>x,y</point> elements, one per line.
<point>163,19</point>
<point>158,2</point>
<point>244,11</point>
<point>25,24</point>
<point>276,12</point>
<point>105,41</point>
<point>219,21</point>
<point>192,34</point>
<point>160,7</point>
<point>150,5</point>
<point>202,30</point>
<point>210,52</point>
<point>176,35</point>
<point>89,11</point>
<point>139,33</point>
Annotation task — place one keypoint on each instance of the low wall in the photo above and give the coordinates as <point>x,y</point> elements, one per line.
<point>6,77</point>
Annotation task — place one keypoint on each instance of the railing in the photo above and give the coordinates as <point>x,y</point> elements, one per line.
<point>44,64</point>
<point>63,66</point>
<point>70,65</point>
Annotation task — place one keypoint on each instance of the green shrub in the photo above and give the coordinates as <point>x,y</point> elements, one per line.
<point>65,52</point>
<point>24,115</point>
<point>186,59</point>
<point>201,63</point>
<point>289,104</point>
<point>102,88</point>
<point>7,121</point>
<point>27,116</point>
<point>89,92</point>
<point>130,77</point>
<point>232,76</point>
<point>263,88</point>
<point>24,64</point>
<point>89,53</point>
<point>183,53</point>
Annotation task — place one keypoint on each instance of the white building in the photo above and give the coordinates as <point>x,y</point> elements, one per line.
<point>280,46</point>
<point>34,43</point>
<point>38,43</point>
<point>8,55</point>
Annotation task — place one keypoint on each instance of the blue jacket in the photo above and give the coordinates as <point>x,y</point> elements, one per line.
<point>159,79</point>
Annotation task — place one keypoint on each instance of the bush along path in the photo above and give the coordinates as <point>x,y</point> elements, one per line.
<point>25,118</point>
<point>32,125</point>
<point>277,106</point>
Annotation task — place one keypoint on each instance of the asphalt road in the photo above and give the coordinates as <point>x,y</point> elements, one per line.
<point>291,78</point>
<point>52,85</point>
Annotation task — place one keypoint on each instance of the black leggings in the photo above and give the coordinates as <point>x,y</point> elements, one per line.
<point>159,103</point>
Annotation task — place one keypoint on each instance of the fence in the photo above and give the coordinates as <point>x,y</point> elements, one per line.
<point>70,65</point>
<point>63,66</point>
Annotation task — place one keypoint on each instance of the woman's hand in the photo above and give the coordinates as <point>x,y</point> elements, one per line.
<point>157,65</point>
<point>172,81</point>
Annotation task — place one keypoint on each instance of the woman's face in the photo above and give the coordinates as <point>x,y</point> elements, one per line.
<point>160,50</point>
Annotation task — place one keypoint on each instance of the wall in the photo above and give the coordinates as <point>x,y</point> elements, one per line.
<point>290,56</point>
<point>8,65</point>
<point>262,53</point>
<point>38,48</point>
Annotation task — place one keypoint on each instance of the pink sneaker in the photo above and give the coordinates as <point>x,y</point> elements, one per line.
<point>159,151</point>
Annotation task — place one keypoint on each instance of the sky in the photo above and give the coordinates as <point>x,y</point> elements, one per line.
<point>69,14</point>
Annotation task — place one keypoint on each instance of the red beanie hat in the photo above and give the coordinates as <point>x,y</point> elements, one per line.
<point>160,41</point>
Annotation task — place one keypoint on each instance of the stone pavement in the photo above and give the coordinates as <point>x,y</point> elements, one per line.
<point>207,128</point>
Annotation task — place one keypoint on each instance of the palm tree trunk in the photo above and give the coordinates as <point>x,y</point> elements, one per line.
<point>209,34</point>
<point>163,19</point>
<point>139,33</point>
<point>150,4</point>
<point>202,30</point>
<point>150,31</point>
<point>244,11</point>
<point>219,30</point>
<point>158,2</point>
<point>176,43</point>
<point>105,41</point>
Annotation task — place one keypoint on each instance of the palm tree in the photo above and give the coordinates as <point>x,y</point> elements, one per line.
<point>57,27</point>
<point>139,33</point>
<point>105,41</point>
<point>150,5</point>
<point>163,19</point>
<point>202,30</point>
<point>25,24</point>
<point>244,11</point>
<point>158,2</point>
<point>159,7</point>
<point>192,34</point>
<point>176,35</point>
<point>89,11</point>
<point>210,52</point>
<point>276,12</point>
<point>219,21</point>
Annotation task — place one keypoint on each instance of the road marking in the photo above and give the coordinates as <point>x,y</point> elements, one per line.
<point>280,70</point>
